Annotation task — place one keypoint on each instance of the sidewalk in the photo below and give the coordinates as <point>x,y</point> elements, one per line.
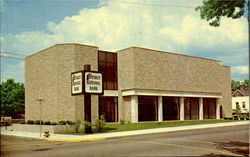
<point>103,136</point>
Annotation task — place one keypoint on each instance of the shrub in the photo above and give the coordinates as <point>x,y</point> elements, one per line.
<point>69,122</point>
<point>100,123</point>
<point>87,126</point>
<point>53,123</point>
<point>38,122</point>
<point>122,121</point>
<point>47,123</point>
<point>16,121</point>
<point>30,122</point>
<point>62,122</point>
<point>76,125</point>
<point>22,122</point>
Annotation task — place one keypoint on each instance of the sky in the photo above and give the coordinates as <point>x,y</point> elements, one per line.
<point>29,26</point>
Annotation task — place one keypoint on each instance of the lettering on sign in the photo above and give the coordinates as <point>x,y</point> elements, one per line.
<point>93,82</point>
<point>76,83</point>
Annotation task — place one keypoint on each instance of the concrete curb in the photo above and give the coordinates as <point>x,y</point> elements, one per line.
<point>78,140</point>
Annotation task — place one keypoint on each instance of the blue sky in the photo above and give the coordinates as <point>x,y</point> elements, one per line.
<point>28,26</point>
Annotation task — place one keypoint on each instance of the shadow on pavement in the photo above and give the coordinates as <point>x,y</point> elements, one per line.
<point>236,147</point>
<point>217,155</point>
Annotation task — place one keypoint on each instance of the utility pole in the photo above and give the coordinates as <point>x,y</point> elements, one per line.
<point>40,104</point>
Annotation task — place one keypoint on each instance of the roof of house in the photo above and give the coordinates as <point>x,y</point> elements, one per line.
<point>242,90</point>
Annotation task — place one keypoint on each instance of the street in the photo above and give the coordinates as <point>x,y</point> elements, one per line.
<point>223,141</point>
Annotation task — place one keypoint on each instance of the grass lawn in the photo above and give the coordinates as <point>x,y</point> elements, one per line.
<point>146,125</point>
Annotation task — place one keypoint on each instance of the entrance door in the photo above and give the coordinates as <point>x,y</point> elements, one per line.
<point>108,108</point>
<point>147,108</point>
<point>170,108</point>
<point>209,108</point>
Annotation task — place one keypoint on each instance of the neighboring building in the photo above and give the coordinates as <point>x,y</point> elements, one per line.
<point>139,85</point>
<point>240,96</point>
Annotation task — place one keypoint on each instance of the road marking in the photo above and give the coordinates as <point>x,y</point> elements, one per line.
<point>183,146</point>
<point>78,140</point>
<point>197,141</point>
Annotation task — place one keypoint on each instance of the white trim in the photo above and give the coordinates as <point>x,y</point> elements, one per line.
<point>160,110</point>
<point>134,109</point>
<point>200,108</point>
<point>169,93</point>
<point>110,93</point>
<point>218,108</point>
<point>182,108</point>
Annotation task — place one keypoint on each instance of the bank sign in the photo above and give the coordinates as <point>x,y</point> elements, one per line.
<point>76,83</point>
<point>93,82</point>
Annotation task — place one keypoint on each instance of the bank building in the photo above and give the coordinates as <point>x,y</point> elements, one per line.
<point>136,84</point>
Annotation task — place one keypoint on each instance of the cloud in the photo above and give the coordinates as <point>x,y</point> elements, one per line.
<point>116,25</point>
<point>240,70</point>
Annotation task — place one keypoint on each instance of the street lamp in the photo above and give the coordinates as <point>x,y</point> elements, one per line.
<point>40,103</point>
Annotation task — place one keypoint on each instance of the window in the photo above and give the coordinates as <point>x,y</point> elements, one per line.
<point>237,103</point>
<point>107,65</point>
<point>243,104</point>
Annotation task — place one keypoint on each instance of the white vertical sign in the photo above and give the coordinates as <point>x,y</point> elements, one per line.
<point>76,83</point>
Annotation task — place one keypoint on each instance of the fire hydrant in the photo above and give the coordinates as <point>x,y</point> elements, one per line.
<point>46,133</point>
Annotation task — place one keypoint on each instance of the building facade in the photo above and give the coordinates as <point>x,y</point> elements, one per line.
<point>240,97</point>
<point>139,85</point>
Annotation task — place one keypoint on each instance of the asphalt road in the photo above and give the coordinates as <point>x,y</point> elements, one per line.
<point>223,141</point>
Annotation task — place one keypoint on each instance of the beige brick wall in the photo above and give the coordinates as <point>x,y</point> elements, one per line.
<point>125,66</point>
<point>226,91</point>
<point>156,70</point>
<point>65,106</point>
<point>48,75</point>
<point>85,54</point>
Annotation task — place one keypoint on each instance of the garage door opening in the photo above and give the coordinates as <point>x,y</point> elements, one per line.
<point>147,108</point>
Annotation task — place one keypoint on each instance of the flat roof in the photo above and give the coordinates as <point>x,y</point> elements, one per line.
<point>168,52</point>
<point>59,45</point>
<point>132,47</point>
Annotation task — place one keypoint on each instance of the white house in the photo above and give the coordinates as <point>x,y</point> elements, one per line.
<point>240,96</point>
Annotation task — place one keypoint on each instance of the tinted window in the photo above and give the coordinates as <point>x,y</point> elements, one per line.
<point>107,64</point>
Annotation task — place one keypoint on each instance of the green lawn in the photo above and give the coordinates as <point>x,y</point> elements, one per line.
<point>147,125</point>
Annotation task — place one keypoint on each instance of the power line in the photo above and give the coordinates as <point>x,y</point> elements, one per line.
<point>154,4</point>
<point>12,57</point>
<point>12,53</point>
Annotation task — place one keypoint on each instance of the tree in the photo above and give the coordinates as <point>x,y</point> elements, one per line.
<point>12,98</point>
<point>237,111</point>
<point>246,82</point>
<point>213,10</point>
<point>234,84</point>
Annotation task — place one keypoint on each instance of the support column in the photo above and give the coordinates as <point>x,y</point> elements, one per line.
<point>160,113</point>
<point>181,108</point>
<point>218,100</point>
<point>134,108</point>
<point>200,108</point>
